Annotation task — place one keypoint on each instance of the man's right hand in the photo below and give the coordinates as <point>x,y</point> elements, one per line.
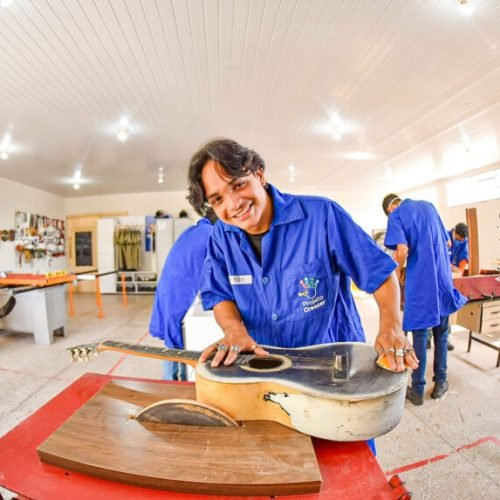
<point>235,340</point>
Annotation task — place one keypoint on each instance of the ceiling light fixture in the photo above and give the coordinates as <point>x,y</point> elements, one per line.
<point>4,147</point>
<point>123,129</point>
<point>5,3</point>
<point>338,127</point>
<point>466,7</point>
<point>76,186</point>
<point>160,175</point>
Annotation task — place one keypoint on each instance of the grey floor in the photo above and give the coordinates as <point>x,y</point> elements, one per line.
<point>448,448</point>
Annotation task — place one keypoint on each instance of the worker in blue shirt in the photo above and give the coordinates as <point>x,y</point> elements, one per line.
<point>459,249</point>
<point>178,286</point>
<point>417,234</point>
<point>278,266</point>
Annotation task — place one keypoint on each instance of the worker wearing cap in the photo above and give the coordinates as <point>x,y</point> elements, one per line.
<point>417,234</point>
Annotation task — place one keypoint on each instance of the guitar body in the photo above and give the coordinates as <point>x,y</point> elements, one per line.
<point>333,391</point>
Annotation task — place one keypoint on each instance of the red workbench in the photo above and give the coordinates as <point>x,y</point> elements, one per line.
<point>349,470</point>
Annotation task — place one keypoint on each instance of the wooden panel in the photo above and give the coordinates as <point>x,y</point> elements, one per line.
<point>470,316</point>
<point>471,216</point>
<point>101,439</point>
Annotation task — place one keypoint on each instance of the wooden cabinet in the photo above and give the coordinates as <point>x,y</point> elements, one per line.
<point>482,319</point>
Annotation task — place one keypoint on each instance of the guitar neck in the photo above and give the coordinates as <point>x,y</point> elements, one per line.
<point>179,355</point>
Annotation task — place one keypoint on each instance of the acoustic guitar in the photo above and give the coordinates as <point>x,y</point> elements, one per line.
<point>331,391</point>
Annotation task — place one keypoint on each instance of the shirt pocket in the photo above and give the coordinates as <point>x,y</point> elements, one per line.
<point>308,290</point>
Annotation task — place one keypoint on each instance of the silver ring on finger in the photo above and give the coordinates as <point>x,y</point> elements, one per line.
<point>389,350</point>
<point>221,347</point>
<point>399,353</point>
<point>409,349</point>
<point>235,348</point>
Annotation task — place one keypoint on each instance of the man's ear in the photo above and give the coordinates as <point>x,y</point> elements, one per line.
<point>260,174</point>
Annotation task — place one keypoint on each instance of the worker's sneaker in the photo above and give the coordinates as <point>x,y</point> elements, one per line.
<point>439,389</point>
<point>416,399</point>
<point>450,346</point>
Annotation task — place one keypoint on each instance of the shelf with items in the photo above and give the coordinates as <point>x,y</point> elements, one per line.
<point>137,281</point>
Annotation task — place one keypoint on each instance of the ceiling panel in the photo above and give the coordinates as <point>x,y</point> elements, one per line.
<point>415,84</point>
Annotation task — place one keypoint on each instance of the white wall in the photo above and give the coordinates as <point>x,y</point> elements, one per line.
<point>364,207</point>
<point>171,202</point>
<point>488,217</point>
<point>13,197</point>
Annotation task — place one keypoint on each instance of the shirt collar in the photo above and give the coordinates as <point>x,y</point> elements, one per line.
<point>286,209</point>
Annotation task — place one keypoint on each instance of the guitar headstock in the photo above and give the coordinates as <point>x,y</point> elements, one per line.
<point>83,352</point>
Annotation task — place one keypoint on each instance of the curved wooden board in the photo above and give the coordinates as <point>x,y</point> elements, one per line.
<point>185,412</point>
<point>103,439</point>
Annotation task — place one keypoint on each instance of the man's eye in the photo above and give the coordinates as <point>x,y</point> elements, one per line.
<point>215,201</point>
<point>239,184</point>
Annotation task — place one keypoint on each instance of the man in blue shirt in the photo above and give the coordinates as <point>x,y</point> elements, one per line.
<point>178,286</point>
<point>417,234</point>
<point>459,249</point>
<point>278,266</point>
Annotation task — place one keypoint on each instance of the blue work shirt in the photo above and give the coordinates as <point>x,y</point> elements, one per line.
<point>459,250</point>
<point>300,294</point>
<point>429,291</point>
<point>179,283</point>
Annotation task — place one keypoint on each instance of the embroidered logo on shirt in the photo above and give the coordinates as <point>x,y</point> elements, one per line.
<point>246,279</point>
<point>310,285</point>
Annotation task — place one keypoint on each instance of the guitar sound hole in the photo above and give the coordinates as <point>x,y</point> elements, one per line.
<point>268,363</point>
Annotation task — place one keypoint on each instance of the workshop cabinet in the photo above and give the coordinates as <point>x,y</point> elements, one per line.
<point>482,319</point>
<point>137,282</point>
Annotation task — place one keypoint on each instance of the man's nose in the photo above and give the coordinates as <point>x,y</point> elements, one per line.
<point>235,201</point>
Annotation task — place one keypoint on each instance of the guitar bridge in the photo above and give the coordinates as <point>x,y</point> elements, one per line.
<point>341,366</point>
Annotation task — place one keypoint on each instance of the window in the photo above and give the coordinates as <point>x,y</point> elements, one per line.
<point>480,187</point>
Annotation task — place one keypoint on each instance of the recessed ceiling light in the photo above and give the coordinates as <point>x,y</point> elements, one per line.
<point>466,7</point>
<point>122,135</point>
<point>4,155</point>
<point>76,186</point>
<point>123,129</point>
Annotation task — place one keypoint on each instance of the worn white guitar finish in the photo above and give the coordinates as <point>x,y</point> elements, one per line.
<point>332,391</point>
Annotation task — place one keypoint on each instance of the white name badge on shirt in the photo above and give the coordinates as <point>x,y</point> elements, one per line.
<point>246,279</point>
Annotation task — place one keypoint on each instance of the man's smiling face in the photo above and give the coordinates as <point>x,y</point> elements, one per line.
<point>240,201</point>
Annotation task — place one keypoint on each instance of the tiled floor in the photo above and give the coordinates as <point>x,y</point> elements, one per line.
<point>449,448</point>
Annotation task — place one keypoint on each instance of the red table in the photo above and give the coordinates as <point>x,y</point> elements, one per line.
<point>349,470</point>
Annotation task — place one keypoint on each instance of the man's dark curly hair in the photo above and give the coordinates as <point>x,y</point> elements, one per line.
<point>462,230</point>
<point>388,201</point>
<point>233,159</point>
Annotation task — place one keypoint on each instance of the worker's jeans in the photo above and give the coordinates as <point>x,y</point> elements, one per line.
<point>174,371</point>
<point>440,334</point>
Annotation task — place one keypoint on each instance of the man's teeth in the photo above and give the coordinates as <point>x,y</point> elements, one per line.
<point>243,212</point>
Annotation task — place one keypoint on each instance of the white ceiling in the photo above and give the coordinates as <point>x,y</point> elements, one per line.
<point>416,81</point>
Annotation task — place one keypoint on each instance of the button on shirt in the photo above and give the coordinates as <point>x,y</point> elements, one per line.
<point>429,291</point>
<point>179,283</point>
<point>300,294</point>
